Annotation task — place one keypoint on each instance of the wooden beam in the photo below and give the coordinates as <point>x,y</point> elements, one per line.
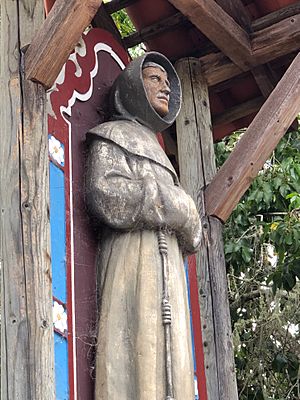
<point>277,40</point>
<point>197,168</point>
<point>117,5</point>
<point>27,356</point>
<point>220,87</point>
<point>276,16</point>
<point>219,27</point>
<point>218,68</point>
<point>56,39</point>
<point>256,145</point>
<point>156,29</point>
<point>237,10</point>
<point>263,79</point>
<point>239,111</point>
<point>268,44</point>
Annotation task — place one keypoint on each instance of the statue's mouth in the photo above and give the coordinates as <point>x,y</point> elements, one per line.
<point>163,97</point>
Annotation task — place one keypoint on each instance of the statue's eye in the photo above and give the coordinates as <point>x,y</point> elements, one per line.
<point>155,78</point>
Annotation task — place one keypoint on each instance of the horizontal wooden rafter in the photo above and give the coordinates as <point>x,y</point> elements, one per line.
<point>218,68</point>
<point>159,27</point>
<point>234,8</point>
<point>274,17</point>
<point>256,145</point>
<point>239,111</point>
<point>269,44</point>
<point>117,5</point>
<point>219,27</point>
<point>220,87</point>
<point>57,37</point>
<point>278,39</point>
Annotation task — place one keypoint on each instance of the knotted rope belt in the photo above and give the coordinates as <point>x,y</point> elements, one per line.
<point>166,313</point>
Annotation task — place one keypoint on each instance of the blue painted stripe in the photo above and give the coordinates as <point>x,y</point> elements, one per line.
<point>189,297</point>
<point>61,367</point>
<point>58,233</point>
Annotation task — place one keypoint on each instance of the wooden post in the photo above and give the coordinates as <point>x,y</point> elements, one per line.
<point>197,168</point>
<point>27,365</point>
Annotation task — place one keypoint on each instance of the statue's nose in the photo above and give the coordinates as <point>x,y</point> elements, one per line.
<point>166,90</point>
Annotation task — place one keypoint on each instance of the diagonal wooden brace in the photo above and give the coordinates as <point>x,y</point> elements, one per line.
<point>256,145</point>
<point>56,39</point>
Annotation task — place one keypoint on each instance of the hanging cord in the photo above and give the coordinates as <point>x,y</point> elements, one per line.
<point>166,313</point>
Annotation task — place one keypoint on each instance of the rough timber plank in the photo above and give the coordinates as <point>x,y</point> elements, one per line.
<point>268,44</point>
<point>57,37</point>
<point>276,16</point>
<point>237,10</point>
<point>219,27</point>
<point>27,335</point>
<point>192,179</point>
<point>116,5</point>
<point>197,168</point>
<point>264,79</point>
<point>277,40</point>
<point>239,111</point>
<point>218,68</point>
<point>165,25</point>
<point>256,145</point>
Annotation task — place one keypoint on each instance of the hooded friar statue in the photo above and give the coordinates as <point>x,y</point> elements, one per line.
<point>148,222</point>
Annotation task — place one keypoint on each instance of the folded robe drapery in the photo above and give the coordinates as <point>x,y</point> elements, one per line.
<point>132,188</point>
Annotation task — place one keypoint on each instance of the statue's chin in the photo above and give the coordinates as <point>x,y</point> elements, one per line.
<point>162,112</point>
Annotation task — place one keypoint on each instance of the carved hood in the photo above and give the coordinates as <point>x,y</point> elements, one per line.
<point>129,100</point>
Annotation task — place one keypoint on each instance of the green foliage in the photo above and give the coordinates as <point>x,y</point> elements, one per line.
<point>126,28</point>
<point>262,250</point>
<point>123,23</point>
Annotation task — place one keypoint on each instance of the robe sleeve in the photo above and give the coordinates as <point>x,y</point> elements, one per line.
<point>120,199</point>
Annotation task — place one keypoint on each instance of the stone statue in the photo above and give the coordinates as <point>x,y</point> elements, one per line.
<point>133,191</point>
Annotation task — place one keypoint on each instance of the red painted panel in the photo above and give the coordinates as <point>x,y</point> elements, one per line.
<point>79,102</point>
<point>197,329</point>
<point>48,5</point>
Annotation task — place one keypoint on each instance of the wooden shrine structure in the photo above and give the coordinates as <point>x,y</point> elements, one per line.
<point>239,65</point>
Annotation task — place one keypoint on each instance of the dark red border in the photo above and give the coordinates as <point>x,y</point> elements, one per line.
<point>197,329</point>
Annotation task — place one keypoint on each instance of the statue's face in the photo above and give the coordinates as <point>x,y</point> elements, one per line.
<point>157,88</point>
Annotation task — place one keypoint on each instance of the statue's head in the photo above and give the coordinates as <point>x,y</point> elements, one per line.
<point>147,91</point>
<point>157,87</point>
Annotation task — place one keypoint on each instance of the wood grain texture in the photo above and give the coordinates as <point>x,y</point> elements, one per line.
<point>165,25</point>
<point>57,37</point>
<point>27,334</point>
<point>219,27</point>
<point>116,5</point>
<point>237,10</point>
<point>222,320</point>
<point>276,16</point>
<point>238,111</point>
<point>197,168</point>
<point>218,68</point>
<point>256,145</point>
<point>277,40</point>
<point>192,179</point>
<point>268,44</point>
<point>264,79</point>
